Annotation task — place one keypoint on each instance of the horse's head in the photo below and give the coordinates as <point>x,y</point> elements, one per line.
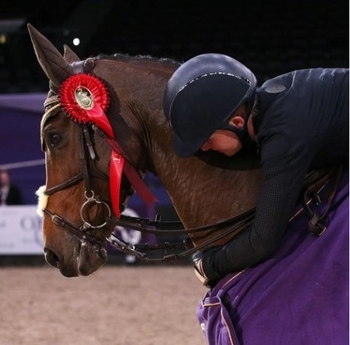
<point>76,201</point>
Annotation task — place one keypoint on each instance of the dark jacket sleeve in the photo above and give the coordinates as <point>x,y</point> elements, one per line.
<point>283,178</point>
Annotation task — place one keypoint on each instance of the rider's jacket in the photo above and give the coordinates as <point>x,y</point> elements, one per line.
<point>302,124</point>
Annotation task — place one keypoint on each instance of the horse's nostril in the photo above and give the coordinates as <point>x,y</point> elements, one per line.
<point>51,258</point>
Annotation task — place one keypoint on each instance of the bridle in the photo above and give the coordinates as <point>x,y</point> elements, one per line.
<point>87,173</point>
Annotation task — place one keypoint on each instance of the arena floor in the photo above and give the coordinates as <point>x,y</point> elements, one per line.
<point>117,305</point>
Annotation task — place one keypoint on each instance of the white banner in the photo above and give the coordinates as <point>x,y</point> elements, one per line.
<point>20,230</point>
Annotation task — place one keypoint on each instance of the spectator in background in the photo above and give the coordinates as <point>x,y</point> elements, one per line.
<point>10,194</point>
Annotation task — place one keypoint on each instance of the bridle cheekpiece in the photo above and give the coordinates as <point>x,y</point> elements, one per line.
<point>85,100</point>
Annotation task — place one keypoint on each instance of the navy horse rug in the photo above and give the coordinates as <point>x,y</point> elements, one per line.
<point>300,296</point>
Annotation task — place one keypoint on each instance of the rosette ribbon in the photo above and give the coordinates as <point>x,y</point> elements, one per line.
<point>85,100</point>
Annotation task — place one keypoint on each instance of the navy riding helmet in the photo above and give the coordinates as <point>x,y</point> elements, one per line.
<point>201,96</point>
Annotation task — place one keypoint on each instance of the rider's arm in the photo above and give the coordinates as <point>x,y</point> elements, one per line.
<point>283,176</point>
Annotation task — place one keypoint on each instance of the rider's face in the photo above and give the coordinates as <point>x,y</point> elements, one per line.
<point>223,141</point>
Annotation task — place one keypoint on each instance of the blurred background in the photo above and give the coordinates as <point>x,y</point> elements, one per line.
<point>270,37</point>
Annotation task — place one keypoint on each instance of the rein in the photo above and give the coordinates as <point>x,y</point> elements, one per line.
<point>315,181</point>
<point>238,223</point>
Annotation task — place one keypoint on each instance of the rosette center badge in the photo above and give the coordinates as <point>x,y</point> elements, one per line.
<point>84,97</point>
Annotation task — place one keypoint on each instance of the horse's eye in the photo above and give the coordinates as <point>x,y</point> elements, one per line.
<point>54,139</point>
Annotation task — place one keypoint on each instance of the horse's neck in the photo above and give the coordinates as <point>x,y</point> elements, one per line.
<point>203,195</point>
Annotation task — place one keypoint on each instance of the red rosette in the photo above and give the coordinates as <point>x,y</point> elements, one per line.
<point>82,95</point>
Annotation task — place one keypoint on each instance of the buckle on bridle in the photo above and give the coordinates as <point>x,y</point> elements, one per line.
<point>90,200</point>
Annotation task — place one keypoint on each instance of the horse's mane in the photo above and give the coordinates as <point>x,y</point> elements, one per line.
<point>128,57</point>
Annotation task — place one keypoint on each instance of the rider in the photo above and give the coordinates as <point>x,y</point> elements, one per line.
<point>299,121</point>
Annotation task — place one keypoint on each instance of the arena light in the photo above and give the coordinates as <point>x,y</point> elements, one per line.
<point>76,41</point>
<point>3,39</point>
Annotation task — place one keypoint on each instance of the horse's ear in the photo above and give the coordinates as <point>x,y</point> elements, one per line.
<point>69,55</point>
<point>56,68</point>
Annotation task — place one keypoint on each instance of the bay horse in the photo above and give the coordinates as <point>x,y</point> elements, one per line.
<point>105,110</point>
